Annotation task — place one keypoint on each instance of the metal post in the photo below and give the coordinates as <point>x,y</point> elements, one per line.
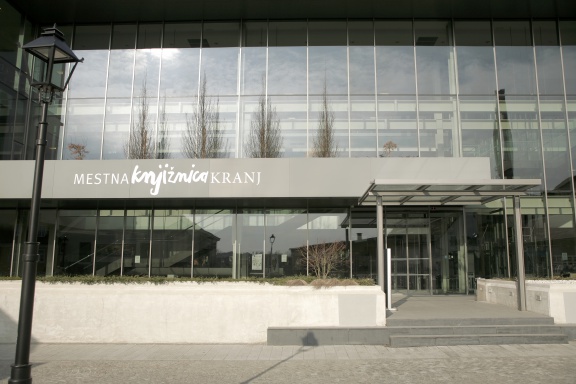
<point>21,370</point>
<point>380,241</point>
<point>519,255</point>
<point>389,279</point>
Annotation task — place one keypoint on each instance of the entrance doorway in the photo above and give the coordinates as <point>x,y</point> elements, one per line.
<point>428,253</point>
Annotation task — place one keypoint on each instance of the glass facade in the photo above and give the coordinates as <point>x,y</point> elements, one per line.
<point>498,89</point>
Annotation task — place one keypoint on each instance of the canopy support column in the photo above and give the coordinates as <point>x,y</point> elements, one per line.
<point>519,255</point>
<point>380,242</point>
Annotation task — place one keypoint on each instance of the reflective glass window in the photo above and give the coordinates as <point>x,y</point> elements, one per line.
<point>561,219</point>
<point>571,106</point>
<point>434,57</point>
<point>213,242</point>
<point>109,245</point>
<point>7,226</point>
<point>568,36</point>
<point>253,77</point>
<point>254,34</point>
<point>555,143</point>
<point>535,236</point>
<point>287,34</point>
<point>89,78</point>
<point>254,249</point>
<point>363,236</point>
<point>228,111</point>
<point>326,228</point>
<point>439,135</point>
<point>363,137</point>
<point>361,57</point>
<point>336,110</point>
<point>480,133</point>
<point>520,137</point>
<point>180,60</point>
<point>116,128</point>
<point>292,113</point>
<point>288,228</point>
<point>10,20</point>
<point>287,71</point>
<point>172,243</point>
<point>395,70</point>
<point>147,64</point>
<point>327,33</point>
<point>514,57</point>
<point>327,70</point>
<point>486,242</point>
<point>220,66</point>
<point>75,242</point>
<point>136,255</point>
<point>178,111</point>
<point>220,35</point>
<point>327,57</point>
<point>476,69</point>
<point>548,61</point>
<point>83,130</point>
<point>397,126</point>
<point>121,69</point>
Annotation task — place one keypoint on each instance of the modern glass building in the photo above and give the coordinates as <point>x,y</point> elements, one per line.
<point>448,92</point>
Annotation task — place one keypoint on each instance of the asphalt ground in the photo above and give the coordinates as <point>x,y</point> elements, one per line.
<point>179,363</point>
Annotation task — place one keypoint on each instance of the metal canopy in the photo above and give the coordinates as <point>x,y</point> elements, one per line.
<point>444,192</point>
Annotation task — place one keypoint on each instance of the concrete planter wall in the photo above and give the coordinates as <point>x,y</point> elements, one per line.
<point>184,312</point>
<point>554,298</point>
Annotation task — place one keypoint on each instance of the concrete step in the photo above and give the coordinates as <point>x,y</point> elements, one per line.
<point>392,322</point>
<point>399,341</point>
<point>475,330</point>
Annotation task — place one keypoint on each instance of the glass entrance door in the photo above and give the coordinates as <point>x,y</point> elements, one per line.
<point>408,237</point>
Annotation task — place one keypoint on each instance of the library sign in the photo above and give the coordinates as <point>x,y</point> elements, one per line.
<point>166,174</point>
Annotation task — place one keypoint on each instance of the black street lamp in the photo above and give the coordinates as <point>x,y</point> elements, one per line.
<point>272,240</point>
<point>51,48</point>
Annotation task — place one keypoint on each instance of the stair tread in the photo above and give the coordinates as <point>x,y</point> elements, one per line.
<point>484,335</point>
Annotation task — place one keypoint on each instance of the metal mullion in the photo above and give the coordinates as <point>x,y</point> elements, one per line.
<point>95,253</point>
<point>567,121</point>
<point>238,89</point>
<point>457,88</point>
<point>542,151</point>
<point>308,150</point>
<point>158,92</point>
<point>106,92</point>
<point>150,241</point>
<point>348,90</point>
<point>14,253</point>
<point>416,85</point>
<point>501,144</point>
<point>377,116</point>
<point>192,242</point>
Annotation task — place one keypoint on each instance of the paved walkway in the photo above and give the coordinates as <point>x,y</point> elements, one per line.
<point>242,364</point>
<point>452,307</point>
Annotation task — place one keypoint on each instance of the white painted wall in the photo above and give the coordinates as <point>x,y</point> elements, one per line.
<point>554,298</point>
<point>184,312</point>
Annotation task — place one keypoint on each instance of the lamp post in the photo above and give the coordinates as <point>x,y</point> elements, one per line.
<point>50,48</point>
<point>272,239</point>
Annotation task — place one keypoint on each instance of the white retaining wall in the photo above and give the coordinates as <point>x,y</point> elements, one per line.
<point>184,312</point>
<point>554,298</point>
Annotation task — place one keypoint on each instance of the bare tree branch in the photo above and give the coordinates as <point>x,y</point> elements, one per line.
<point>324,144</point>
<point>203,136</point>
<point>265,139</point>
<point>325,258</point>
<point>140,144</point>
<point>163,150</point>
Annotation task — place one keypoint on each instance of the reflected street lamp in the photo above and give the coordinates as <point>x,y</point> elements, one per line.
<point>272,240</point>
<point>51,49</point>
